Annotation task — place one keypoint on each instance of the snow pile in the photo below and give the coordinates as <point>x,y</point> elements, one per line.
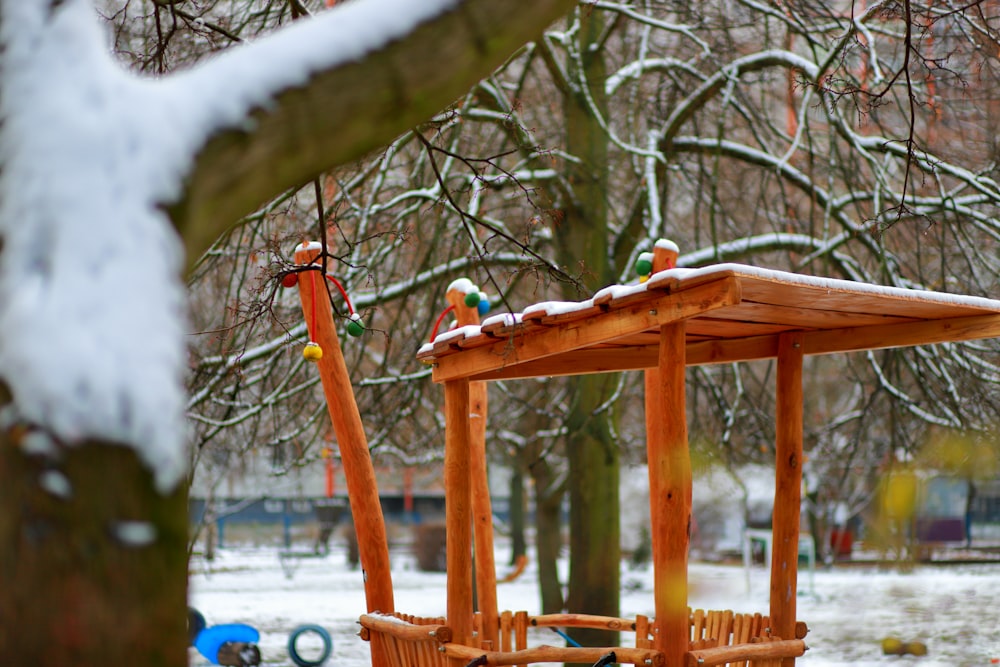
<point>91,303</point>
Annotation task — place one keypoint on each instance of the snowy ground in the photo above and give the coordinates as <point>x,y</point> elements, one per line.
<point>954,609</point>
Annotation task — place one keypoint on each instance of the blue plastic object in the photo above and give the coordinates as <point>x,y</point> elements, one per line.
<point>210,639</point>
<point>293,649</point>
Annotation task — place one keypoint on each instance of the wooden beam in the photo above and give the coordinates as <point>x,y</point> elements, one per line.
<point>458,509</point>
<point>362,488</point>
<point>482,507</point>
<point>903,335</point>
<point>579,362</point>
<point>577,334</point>
<point>787,488</point>
<point>670,493</point>
<point>854,339</point>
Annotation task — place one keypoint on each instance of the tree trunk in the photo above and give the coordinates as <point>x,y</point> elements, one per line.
<point>592,451</point>
<point>519,545</point>
<point>548,537</point>
<point>593,516</point>
<point>93,567</point>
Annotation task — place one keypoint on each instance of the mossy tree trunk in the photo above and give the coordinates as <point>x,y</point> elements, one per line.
<point>519,544</point>
<point>93,569</point>
<point>548,535</point>
<point>583,248</point>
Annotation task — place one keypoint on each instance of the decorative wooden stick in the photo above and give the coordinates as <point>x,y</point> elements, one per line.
<point>366,510</point>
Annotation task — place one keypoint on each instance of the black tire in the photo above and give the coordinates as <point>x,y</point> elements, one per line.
<point>195,623</point>
<point>293,638</point>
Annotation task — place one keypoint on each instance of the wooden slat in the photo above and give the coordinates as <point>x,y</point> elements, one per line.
<point>625,655</point>
<point>717,327</point>
<point>506,631</point>
<point>902,335</point>
<point>642,639</point>
<point>543,318</point>
<point>720,655</point>
<point>521,633</point>
<point>862,300</point>
<point>670,281</point>
<point>797,317</point>
<point>398,626</point>
<point>592,621</point>
<point>579,334</point>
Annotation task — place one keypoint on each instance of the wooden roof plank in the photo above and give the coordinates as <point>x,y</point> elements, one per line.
<point>603,327</point>
<point>840,299</point>
<point>853,339</point>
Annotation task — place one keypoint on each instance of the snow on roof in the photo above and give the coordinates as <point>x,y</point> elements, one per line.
<point>832,284</point>
<point>762,304</point>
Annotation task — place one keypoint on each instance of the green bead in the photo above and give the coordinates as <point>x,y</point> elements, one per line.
<point>355,328</point>
<point>472,299</point>
<point>643,267</point>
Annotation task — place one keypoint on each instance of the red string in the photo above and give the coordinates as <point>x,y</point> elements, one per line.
<point>340,287</point>
<point>312,281</point>
<point>434,332</point>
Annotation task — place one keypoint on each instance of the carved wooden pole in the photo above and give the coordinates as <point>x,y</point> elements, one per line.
<point>788,487</point>
<point>362,489</point>
<point>458,511</point>
<point>482,509</point>
<point>669,480</point>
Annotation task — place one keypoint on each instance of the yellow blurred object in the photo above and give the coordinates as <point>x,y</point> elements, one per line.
<point>893,646</point>
<point>899,497</point>
<point>312,351</point>
<point>915,648</point>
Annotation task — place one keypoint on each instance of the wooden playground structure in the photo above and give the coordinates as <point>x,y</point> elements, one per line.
<point>671,319</point>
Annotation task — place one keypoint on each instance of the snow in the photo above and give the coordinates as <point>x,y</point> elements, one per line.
<point>954,609</point>
<point>91,301</point>
<point>830,284</point>
<point>502,319</point>
<point>551,308</point>
<point>463,285</point>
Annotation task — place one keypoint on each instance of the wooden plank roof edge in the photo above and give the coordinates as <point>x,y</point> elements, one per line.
<point>660,309</point>
<point>834,284</point>
<point>706,352</point>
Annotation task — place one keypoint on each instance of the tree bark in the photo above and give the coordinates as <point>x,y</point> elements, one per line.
<point>548,537</point>
<point>93,569</point>
<point>592,451</point>
<point>518,542</point>
<point>341,114</point>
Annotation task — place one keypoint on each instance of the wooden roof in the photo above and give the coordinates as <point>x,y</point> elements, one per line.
<point>733,313</point>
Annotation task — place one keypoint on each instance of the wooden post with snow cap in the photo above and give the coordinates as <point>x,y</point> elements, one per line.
<point>465,298</point>
<point>669,479</point>
<point>366,509</point>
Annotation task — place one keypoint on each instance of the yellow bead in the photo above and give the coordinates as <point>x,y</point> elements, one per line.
<point>312,351</point>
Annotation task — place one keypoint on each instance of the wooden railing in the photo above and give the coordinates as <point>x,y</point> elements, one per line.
<point>717,638</point>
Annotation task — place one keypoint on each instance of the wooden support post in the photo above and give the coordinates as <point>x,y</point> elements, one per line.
<point>458,508</point>
<point>362,489</point>
<point>482,507</point>
<point>787,488</point>
<point>670,492</point>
